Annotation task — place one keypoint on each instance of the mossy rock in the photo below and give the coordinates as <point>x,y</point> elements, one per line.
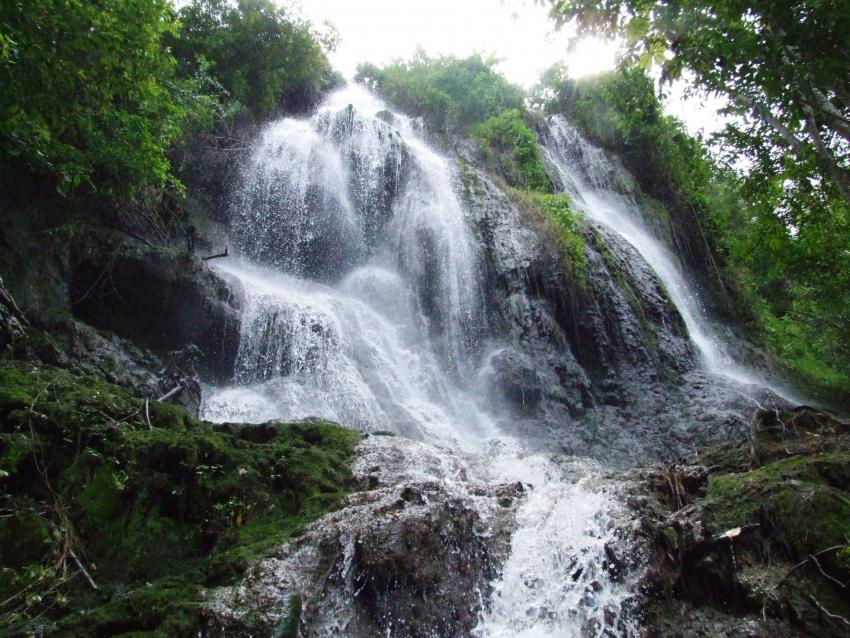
<point>800,502</point>
<point>158,508</point>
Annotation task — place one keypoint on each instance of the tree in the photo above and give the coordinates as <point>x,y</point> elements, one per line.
<point>89,95</point>
<point>783,66</point>
<point>449,92</point>
<point>265,58</point>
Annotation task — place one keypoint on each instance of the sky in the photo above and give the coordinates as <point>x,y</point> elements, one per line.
<point>517,31</point>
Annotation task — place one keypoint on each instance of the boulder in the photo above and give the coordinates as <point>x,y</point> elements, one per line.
<point>411,553</point>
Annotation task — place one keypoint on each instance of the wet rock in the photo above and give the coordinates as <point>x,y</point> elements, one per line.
<point>319,223</point>
<point>12,320</point>
<point>378,166</point>
<point>748,546</point>
<point>411,554</point>
<point>600,364</point>
<point>161,300</point>
<point>115,359</point>
<point>515,379</point>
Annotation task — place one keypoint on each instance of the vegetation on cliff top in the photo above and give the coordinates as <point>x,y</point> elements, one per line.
<point>100,488</point>
<point>97,94</point>
<point>449,93</point>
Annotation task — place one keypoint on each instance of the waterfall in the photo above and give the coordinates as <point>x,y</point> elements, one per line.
<point>601,191</point>
<point>364,304</point>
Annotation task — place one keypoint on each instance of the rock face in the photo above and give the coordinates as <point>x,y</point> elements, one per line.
<point>162,301</point>
<point>411,553</point>
<point>12,320</point>
<point>599,365</point>
<point>751,541</point>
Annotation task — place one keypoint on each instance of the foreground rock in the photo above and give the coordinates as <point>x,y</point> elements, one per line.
<point>412,553</point>
<point>753,539</point>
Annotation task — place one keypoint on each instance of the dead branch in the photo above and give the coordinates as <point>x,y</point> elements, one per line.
<point>826,612</point>
<point>224,254</point>
<point>813,558</point>
<point>82,568</point>
<point>803,562</point>
<point>825,575</point>
<point>171,393</point>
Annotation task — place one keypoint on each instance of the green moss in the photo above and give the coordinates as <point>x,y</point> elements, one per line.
<point>802,500</point>
<point>289,628</point>
<point>469,180</point>
<point>180,504</point>
<point>560,221</point>
<point>506,141</point>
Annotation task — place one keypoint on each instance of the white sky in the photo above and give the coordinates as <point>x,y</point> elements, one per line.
<point>517,31</point>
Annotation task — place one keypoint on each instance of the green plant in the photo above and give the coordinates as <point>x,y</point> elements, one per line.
<point>452,94</point>
<point>506,140</point>
<point>90,95</point>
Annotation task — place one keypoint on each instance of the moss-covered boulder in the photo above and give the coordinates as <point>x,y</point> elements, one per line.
<point>757,536</point>
<point>801,503</point>
<point>119,512</point>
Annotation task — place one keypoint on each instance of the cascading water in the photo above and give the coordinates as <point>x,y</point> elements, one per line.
<point>363,304</point>
<point>596,187</point>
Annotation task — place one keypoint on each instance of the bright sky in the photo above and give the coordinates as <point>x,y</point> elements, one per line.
<point>517,31</point>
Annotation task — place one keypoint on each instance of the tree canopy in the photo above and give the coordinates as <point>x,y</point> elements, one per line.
<point>96,94</point>
<point>264,57</point>
<point>782,65</point>
<point>449,92</point>
<point>89,94</point>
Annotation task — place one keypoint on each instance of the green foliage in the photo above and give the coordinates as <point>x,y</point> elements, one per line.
<point>560,221</point>
<point>506,139</point>
<point>179,505</point>
<point>89,95</point>
<point>449,93</point>
<point>263,57</point>
<point>94,99</point>
<point>782,65</point>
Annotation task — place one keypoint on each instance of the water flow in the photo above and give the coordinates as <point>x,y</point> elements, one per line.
<point>596,186</point>
<point>562,578</point>
<point>365,308</point>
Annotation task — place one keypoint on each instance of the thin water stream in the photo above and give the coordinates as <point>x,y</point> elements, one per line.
<point>595,186</point>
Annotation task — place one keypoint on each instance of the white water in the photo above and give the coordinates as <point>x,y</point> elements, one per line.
<point>591,180</point>
<point>394,343</point>
<point>557,581</point>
